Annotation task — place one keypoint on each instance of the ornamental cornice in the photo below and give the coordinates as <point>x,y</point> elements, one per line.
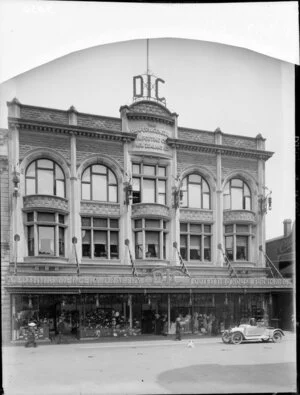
<point>189,214</point>
<point>102,134</point>
<point>235,216</point>
<point>218,149</point>
<point>150,117</point>
<point>150,210</point>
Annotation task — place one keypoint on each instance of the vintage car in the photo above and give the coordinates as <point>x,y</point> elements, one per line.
<point>252,331</point>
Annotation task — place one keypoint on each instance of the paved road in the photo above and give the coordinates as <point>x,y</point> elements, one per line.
<point>150,367</point>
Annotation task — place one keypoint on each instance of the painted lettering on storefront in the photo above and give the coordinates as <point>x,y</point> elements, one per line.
<point>151,139</point>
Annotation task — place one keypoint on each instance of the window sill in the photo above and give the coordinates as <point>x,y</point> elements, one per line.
<point>44,258</point>
<point>101,261</point>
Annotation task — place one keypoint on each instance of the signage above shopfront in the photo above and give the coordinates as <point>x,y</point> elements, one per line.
<point>146,86</point>
<point>159,280</point>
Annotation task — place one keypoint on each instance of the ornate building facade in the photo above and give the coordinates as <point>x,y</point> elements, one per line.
<point>119,225</point>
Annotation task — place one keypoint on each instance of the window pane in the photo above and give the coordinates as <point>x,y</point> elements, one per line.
<point>236,199</point>
<point>48,217</point>
<point>149,170</point>
<point>138,223</point>
<point>46,240</point>
<point>206,202</point>
<point>99,169</point>
<point>195,228</point>
<point>136,184</point>
<point>149,191</point>
<point>30,172</point>
<point>114,245</point>
<point>30,186</point>
<point>30,217</point>
<point>60,188</point>
<point>228,228</point>
<point>86,176</point>
<point>111,178</point>
<point>139,245</point>
<point>205,187</point>
<point>207,228</point>
<point>161,186</point>
<point>152,244</point>
<point>61,242</point>
<point>136,169</point>
<point>99,188</point>
<point>207,255</point>
<point>242,228</point>
<point>195,178</point>
<point>85,221</point>
<point>86,191</point>
<point>30,240</point>
<point>45,164</point>
<point>86,243</point>
<point>61,219</point>
<point>183,227</point>
<point>235,182</point>
<point>247,203</point>
<point>114,223</point>
<point>195,247</point>
<point>226,202</point>
<point>113,194</point>
<point>241,248</point>
<point>45,182</point>
<point>152,223</point>
<point>161,198</point>
<point>183,246</point>
<point>58,173</point>
<point>100,222</point>
<point>164,245</point>
<point>195,195</point>
<point>229,247</point>
<point>246,190</point>
<point>161,171</point>
<point>100,244</point>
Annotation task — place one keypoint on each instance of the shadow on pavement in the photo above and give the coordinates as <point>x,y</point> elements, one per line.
<point>214,378</point>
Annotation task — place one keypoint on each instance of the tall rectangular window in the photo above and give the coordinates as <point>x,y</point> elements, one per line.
<point>195,241</point>
<point>237,237</point>
<point>150,238</point>
<point>149,183</point>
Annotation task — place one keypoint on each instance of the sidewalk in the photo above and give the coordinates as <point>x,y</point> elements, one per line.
<point>132,340</point>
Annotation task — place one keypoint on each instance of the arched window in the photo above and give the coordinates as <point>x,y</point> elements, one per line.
<point>98,182</point>
<point>237,195</point>
<point>45,177</point>
<point>195,192</point>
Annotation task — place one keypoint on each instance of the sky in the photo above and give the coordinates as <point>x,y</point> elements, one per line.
<point>209,85</point>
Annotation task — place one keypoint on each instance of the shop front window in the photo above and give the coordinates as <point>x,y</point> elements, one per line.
<point>45,234</point>
<point>100,237</point>
<point>195,242</point>
<point>99,183</point>
<point>237,195</point>
<point>149,183</point>
<point>237,239</point>
<point>195,192</point>
<point>44,177</point>
<point>150,238</point>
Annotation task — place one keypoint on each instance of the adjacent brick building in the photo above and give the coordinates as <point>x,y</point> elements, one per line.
<point>118,225</point>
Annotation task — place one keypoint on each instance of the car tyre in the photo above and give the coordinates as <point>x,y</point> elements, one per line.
<point>277,337</point>
<point>226,338</point>
<point>237,338</point>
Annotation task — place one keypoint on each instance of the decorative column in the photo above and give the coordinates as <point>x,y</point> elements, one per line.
<point>218,211</point>
<point>169,313</point>
<point>74,197</point>
<point>260,235</point>
<point>174,186</point>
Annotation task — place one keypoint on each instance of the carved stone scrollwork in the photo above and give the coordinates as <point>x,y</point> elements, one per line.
<point>53,203</point>
<point>100,208</point>
<point>239,216</point>
<point>141,210</point>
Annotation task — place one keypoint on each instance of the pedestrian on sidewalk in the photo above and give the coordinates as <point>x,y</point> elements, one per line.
<point>178,329</point>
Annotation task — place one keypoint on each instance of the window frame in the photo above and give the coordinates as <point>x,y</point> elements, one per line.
<point>35,223</point>
<point>186,180</point>
<point>202,234</point>
<point>36,177</point>
<point>143,229</point>
<point>108,229</point>
<point>245,197</point>
<point>108,184</point>
<point>234,233</point>
<point>156,177</point>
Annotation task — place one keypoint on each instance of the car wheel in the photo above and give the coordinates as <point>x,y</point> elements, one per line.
<point>237,338</point>
<point>277,337</point>
<point>226,338</point>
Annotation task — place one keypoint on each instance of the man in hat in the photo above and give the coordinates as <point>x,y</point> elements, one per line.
<point>31,335</point>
